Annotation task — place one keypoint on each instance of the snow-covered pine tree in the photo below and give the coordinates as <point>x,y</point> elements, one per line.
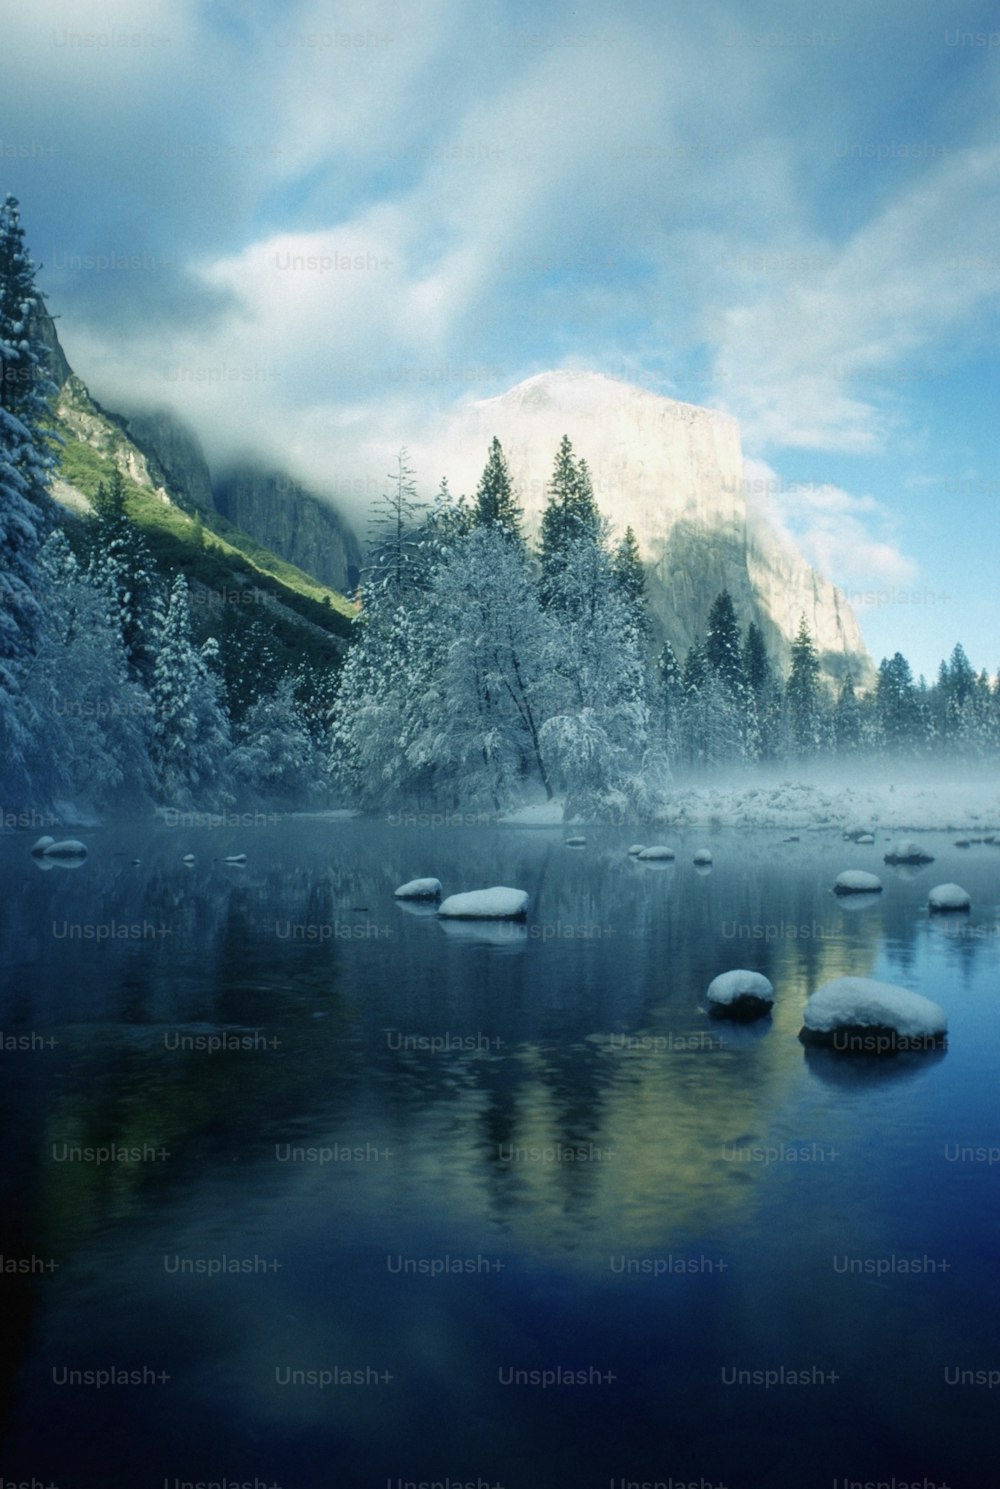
<point>26,389</point>
<point>25,509</point>
<point>897,709</point>
<point>670,699</point>
<point>847,725</point>
<point>396,560</point>
<point>191,729</point>
<point>803,696</point>
<point>93,724</point>
<point>626,566</point>
<point>122,565</point>
<point>276,756</point>
<point>570,515</point>
<point>495,501</point>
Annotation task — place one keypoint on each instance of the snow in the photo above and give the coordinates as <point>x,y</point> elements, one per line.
<point>703,855</point>
<point>861,1002</point>
<point>636,849</point>
<point>948,897</point>
<point>538,814</point>
<point>67,848</point>
<point>841,800</point>
<point>497,903</point>
<point>419,889</point>
<point>740,991</point>
<point>658,851</point>
<point>907,851</point>
<point>857,881</point>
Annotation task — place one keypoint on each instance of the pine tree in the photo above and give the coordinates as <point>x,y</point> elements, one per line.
<point>670,691</point>
<point>629,574</point>
<point>396,567</point>
<point>803,699</point>
<point>26,390</point>
<point>93,727</point>
<point>896,707</point>
<point>191,730</point>
<point>570,515</point>
<point>847,722</point>
<point>122,565</point>
<point>25,469</point>
<point>495,502</point>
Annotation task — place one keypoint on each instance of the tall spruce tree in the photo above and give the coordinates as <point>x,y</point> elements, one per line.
<point>396,566</point>
<point>570,515</point>
<point>803,698</point>
<point>495,503</point>
<point>25,469</point>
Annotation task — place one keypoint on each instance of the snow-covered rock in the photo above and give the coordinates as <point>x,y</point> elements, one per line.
<point>702,856</point>
<point>67,848</point>
<point>868,1017</point>
<point>948,897</point>
<point>497,903</point>
<point>857,881</point>
<point>636,849</point>
<point>866,839</point>
<point>577,842</point>
<point>42,846</point>
<point>658,852</point>
<point>419,889</point>
<point>188,858</point>
<point>857,835</point>
<point>740,994</point>
<point>907,851</point>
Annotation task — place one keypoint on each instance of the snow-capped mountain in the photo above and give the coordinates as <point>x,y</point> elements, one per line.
<point>673,472</point>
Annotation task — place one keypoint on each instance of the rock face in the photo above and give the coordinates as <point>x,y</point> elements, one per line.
<point>284,516</point>
<point>174,455</point>
<point>159,451</point>
<point>672,472</point>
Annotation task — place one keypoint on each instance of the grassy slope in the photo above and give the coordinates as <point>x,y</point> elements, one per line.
<point>213,552</point>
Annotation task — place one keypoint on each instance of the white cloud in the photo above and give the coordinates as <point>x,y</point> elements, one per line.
<point>847,538</point>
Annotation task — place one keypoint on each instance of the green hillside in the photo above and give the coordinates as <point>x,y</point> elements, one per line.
<point>209,551</point>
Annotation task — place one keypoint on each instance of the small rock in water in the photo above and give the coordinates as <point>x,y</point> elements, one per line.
<point>497,903</point>
<point>703,856</point>
<point>40,847</point>
<point>657,852</point>
<point>962,842</point>
<point>67,848</point>
<point>948,897</point>
<point>636,849</point>
<point>188,858</point>
<point>856,881</point>
<point>235,858</point>
<point>575,842</point>
<point>419,889</point>
<point>866,838</point>
<point>861,1016</point>
<point>740,994</point>
<point>907,851</point>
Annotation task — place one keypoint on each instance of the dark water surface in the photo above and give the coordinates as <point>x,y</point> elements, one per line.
<point>433,1156</point>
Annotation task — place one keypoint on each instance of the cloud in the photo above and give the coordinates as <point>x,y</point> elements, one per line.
<point>849,539</point>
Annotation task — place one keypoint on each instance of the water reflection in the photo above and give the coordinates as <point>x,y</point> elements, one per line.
<point>552,1092</point>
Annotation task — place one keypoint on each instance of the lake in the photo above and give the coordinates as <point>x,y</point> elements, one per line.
<point>303,1186</point>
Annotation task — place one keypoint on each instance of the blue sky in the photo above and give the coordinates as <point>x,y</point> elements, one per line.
<point>315,229</point>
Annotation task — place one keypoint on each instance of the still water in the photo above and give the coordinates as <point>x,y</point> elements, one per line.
<point>305,1187</point>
